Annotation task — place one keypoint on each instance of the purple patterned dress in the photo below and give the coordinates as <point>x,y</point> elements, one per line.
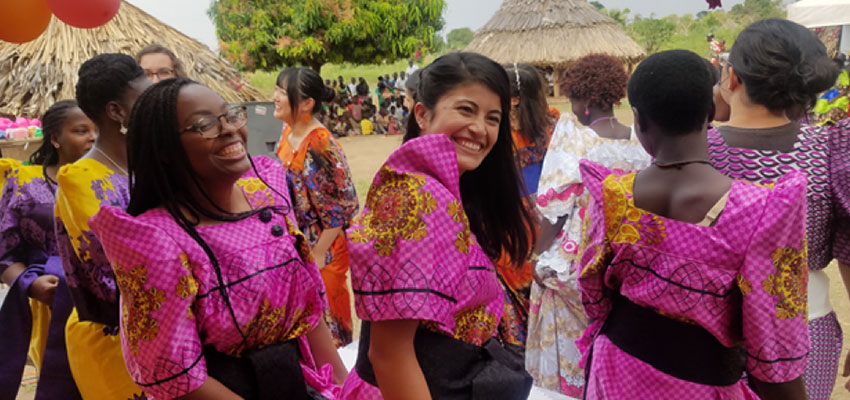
<point>27,236</point>
<point>176,303</point>
<point>413,255</point>
<point>742,280</point>
<point>822,154</point>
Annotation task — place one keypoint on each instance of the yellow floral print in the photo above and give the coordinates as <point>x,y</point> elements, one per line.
<point>625,223</point>
<point>788,285</point>
<point>743,284</point>
<point>256,191</point>
<point>268,327</point>
<point>475,325</point>
<point>186,286</point>
<point>463,236</point>
<point>395,211</point>
<point>138,304</point>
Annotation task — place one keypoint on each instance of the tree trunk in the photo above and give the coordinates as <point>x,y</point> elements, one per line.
<point>315,65</point>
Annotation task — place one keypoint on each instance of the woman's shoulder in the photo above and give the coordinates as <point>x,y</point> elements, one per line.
<point>82,172</point>
<point>15,172</point>
<point>150,235</point>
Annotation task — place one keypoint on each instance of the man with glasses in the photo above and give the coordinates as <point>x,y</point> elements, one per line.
<point>160,63</point>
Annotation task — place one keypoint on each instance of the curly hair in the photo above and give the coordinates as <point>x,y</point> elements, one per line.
<point>598,78</point>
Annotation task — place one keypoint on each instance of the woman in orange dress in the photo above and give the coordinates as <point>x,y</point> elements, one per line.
<point>320,185</point>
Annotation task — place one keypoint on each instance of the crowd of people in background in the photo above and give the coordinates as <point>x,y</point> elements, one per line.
<point>357,110</point>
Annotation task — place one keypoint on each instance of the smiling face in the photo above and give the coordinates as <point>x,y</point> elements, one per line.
<point>157,66</point>
<point>220,158</point>
<point>470,116</point>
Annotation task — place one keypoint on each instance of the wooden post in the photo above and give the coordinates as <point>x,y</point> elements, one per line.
<point>556,75</point>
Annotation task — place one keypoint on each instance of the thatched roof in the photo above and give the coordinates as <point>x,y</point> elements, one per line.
<point>552,33</point>
<point>36,74</point>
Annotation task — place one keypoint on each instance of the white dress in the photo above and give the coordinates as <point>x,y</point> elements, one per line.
<point>556,318</point>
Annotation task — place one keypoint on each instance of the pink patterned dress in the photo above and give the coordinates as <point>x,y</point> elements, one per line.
<point>175,302</point>
<point>743,280</point>
<point>413,255</point>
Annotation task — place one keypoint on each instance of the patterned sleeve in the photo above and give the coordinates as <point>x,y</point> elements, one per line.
<point>159,335</point>
<point>839,169</point>
<point>11,240</point>
<point>560,179</point>
<point>773,281</point>
<point>594,255</point>
<point>329,185</point>
<point>407,250</point>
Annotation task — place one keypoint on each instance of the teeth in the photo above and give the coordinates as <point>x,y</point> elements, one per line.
<point>231,150</point>
<point>470,145</point>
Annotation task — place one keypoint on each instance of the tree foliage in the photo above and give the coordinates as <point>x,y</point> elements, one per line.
<point>459,38</point>
<point>653,33</point>
<point>269,34</point>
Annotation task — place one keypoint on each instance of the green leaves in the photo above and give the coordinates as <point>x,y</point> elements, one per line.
<point>271,34</point>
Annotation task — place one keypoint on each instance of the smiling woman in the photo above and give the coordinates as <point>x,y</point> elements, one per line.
<point>220,295</point>
<point>420,254</point>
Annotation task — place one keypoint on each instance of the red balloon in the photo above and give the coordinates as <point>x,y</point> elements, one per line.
<point>84,13</point>
<point>23,20</point>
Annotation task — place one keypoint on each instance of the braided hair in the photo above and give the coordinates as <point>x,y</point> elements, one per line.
<point>104,78</point>
<point>160,172</point>
<point>52,123</point>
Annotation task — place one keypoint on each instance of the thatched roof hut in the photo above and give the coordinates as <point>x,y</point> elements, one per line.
<point>552,33</point>
<point>36,74</point>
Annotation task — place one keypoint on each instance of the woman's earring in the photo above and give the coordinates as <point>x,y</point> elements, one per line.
<point>123,129</point>
<point>306,118</point>
<point>586,111</point>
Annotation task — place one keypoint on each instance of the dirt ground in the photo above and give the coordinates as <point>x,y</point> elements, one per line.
<point>367,153</point>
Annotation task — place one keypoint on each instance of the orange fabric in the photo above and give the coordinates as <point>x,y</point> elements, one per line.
<point>318,138</point>
<point>521,142</point>
<point>336,281</point>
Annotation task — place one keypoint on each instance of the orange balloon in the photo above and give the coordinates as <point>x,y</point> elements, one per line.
<point>23,20</point>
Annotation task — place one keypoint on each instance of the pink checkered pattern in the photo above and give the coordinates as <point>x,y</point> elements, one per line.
<point>694,273</point>
<point>445,280</point>
<point>260,271</point>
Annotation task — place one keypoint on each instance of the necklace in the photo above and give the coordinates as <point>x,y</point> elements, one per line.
<point>124,171</point>
<point>611,118</point>
<point>679,164</point>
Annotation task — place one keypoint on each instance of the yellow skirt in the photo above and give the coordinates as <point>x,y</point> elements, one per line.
<point>96,361</point>
<point>40,326</point>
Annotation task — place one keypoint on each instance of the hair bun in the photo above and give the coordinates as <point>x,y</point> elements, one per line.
<point>328,94</point>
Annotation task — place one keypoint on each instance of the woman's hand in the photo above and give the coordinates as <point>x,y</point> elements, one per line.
<point>43,288</point>
<point>324,352</point>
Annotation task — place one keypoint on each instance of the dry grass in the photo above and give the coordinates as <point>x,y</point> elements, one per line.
<point>552,33</point>
<point>36,74</point>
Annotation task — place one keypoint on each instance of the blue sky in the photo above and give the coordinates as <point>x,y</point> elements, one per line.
<point>190,17</point>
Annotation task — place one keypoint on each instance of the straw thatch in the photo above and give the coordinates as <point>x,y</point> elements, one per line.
<point>36,74</point>
<point>552,33</point>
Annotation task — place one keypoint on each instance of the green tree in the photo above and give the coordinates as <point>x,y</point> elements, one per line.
<point>753,10</point>
<point>621,17</point>
<point>652,33</point>
<point>268,34</point>
<point>597,4</point>
<point>459,38</point>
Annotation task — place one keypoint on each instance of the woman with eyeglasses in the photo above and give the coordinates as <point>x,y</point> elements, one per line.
<point>323,194</point>
<point>221,298</point>
<point>775,70</point>
<point>108,86</point>
<point>160,63</point>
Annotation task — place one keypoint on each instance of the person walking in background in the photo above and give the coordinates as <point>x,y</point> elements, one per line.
<point>777,67</point>
<point>108,86</point>
<point>594,84</point>
<point>34,313</point>
<point>220,298</point>
<point>688,277</point>
<point>411,67</point>
<point>160,63</point>
<point>439,209</point>
<point>323,194</point>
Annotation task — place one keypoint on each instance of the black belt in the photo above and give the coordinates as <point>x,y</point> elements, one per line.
<point>456,370</point>
<point>682,350</point>
<point>262,374</point>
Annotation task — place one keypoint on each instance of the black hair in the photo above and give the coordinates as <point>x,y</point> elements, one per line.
<point>533,111</point>
<point>52,123</point>
<point>104,78</point>
<point>412,84</point>
<point>782,64</point>
<point>673,89</point>
<point>492,193</point>
<point>303,84</point>
<point>179,72</point>
<point>160,172</point>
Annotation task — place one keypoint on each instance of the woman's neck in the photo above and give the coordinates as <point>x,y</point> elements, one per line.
<point>221,197</point>
<point>114,145</point>
<point>300,128</point>
<point>747,115</point>
<point>605,124</point>
<point>678,148</point>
